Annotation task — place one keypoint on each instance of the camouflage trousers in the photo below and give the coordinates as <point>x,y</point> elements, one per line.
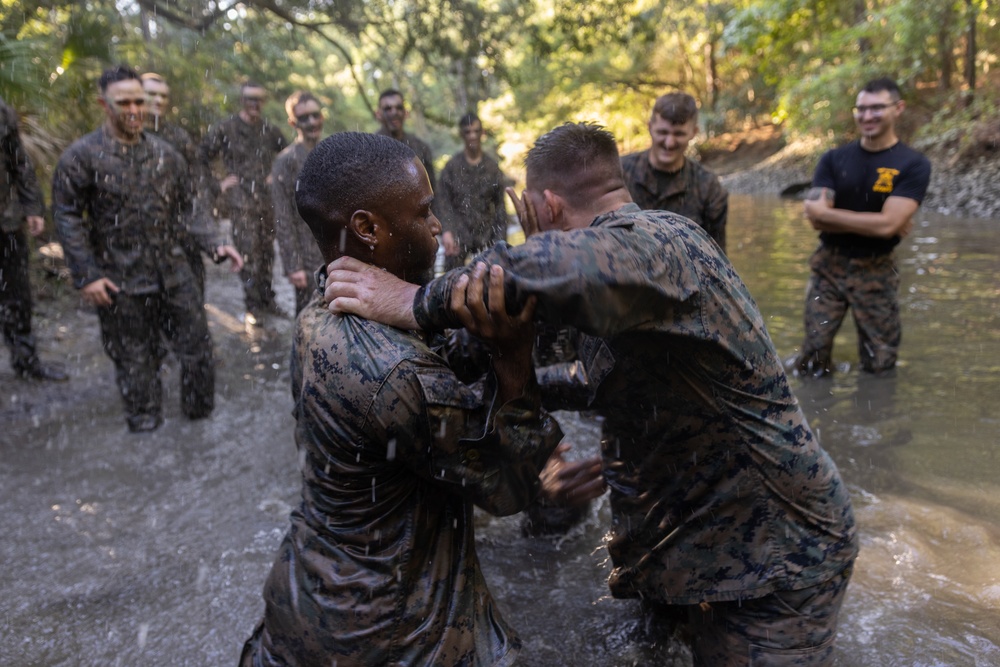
<point>15,299</point>
<point>869,286</point>
<point>783,629</point>
<point>253,236</point>
<point>131,330</point>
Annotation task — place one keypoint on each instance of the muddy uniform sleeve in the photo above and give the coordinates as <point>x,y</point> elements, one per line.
<point>444,201</point>
<point>72,186</point>
<point>19,168</point>
<point>446,434</point>
<point>716,208</point>
<point>284,172</point>
<point>209,149</point>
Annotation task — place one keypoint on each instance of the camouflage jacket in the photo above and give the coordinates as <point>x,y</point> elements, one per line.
<point>422,150</point>
<point>694,192</point>
<point>199,180</point>
<point>19,192</point>
<point>469,202</point>
<point>299,250</point>
<point>719,489</point>
<point>121,213</point>
<point>247,152</point>
<point>379,567</point>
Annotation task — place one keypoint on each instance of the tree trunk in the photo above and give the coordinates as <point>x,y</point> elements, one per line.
<point>970,48</point>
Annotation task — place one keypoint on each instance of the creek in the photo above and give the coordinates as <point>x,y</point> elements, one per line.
<point>151,549</point>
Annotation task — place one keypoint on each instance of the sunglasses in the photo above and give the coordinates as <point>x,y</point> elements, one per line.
<point>306,117</point>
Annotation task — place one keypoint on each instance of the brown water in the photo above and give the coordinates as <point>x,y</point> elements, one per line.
<point>152,549</point>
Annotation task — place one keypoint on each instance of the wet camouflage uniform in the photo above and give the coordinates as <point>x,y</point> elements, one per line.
<point>422,150</point>
<point>469,203</point>
<point>19,198</point>
<point>178,137</point>
<point>851,270</point>
<point>299,250</point>
<point>719,491</point>
<point>379,566</point>
<point>248,152</point>
<point>120,213</point>
<point>693,191</point>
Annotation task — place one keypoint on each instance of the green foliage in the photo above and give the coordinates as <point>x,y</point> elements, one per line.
<point>523,65</point>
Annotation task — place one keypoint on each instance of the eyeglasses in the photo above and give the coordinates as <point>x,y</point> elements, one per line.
<point>254,100</point>
<point>306,117</point>
<point>875,109</point>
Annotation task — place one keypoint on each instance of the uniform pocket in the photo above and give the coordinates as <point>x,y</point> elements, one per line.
<point>814,656</point>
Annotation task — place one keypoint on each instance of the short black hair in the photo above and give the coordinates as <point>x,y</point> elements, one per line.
<point>883,83</point>
<point>573,159</point>
<point>390,92</point>
<point>116,74</point>
<point>676,108</point>
<point>468,119</point>
<point>347,172</point>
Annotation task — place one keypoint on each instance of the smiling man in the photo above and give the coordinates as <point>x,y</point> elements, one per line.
<point>300,256</point>
<point>121,205</point>
<point>662,178</point>
<point>862,203</point>
<point>392,114</point>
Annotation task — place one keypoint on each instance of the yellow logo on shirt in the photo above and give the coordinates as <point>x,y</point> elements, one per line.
<point>884,182</point>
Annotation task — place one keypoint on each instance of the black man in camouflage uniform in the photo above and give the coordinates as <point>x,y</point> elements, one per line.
<point>379,566</point>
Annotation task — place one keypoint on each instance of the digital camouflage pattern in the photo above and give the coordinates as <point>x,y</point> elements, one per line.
<point>719,490</point>
<point>469,203</point>
<point>867,285</point>
<point>20,197</point>
<point>120,213</point>
<point>299,250</point>
<point>248,151</point>
<point>379,566</point>
<point>693,191</point>
<point>423,151</point>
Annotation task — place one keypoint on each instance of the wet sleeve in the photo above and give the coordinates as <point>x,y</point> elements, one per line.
<point>580,279</point>
<point>70,190</point>
<point>29,195</point>
<point>208,150</point>
<point>716,211</point>
<point>448,434</point>
<point>444,202</point>
<point>285,214</point>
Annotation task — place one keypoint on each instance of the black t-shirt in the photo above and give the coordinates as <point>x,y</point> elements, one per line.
<point>862,180</point>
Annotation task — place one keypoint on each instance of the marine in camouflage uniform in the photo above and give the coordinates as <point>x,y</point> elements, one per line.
<point>300,254</point>
<point>392,114</point>
<point>379,566</point>
<point>863,200</point>
<point>248,150</point>
<point>694,192</point>
<point>720,492</point>
<point>175,135</point>
<point>469,196</point>
<point>120,213</point>
<point>662,178</point>
<point>20,199</point>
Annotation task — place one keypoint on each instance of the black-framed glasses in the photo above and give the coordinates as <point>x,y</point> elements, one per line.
<point>306,117</point>
<point>876,109</point>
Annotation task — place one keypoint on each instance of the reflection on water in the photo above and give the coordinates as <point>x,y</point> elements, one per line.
<point>919,452</point>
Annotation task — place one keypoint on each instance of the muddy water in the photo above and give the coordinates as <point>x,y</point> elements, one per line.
<point>151,549</point>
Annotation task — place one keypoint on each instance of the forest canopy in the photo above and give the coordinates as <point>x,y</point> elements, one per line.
<point>522,65</point>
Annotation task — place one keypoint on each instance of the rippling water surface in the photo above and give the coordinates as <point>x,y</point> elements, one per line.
<point>152,549</point>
